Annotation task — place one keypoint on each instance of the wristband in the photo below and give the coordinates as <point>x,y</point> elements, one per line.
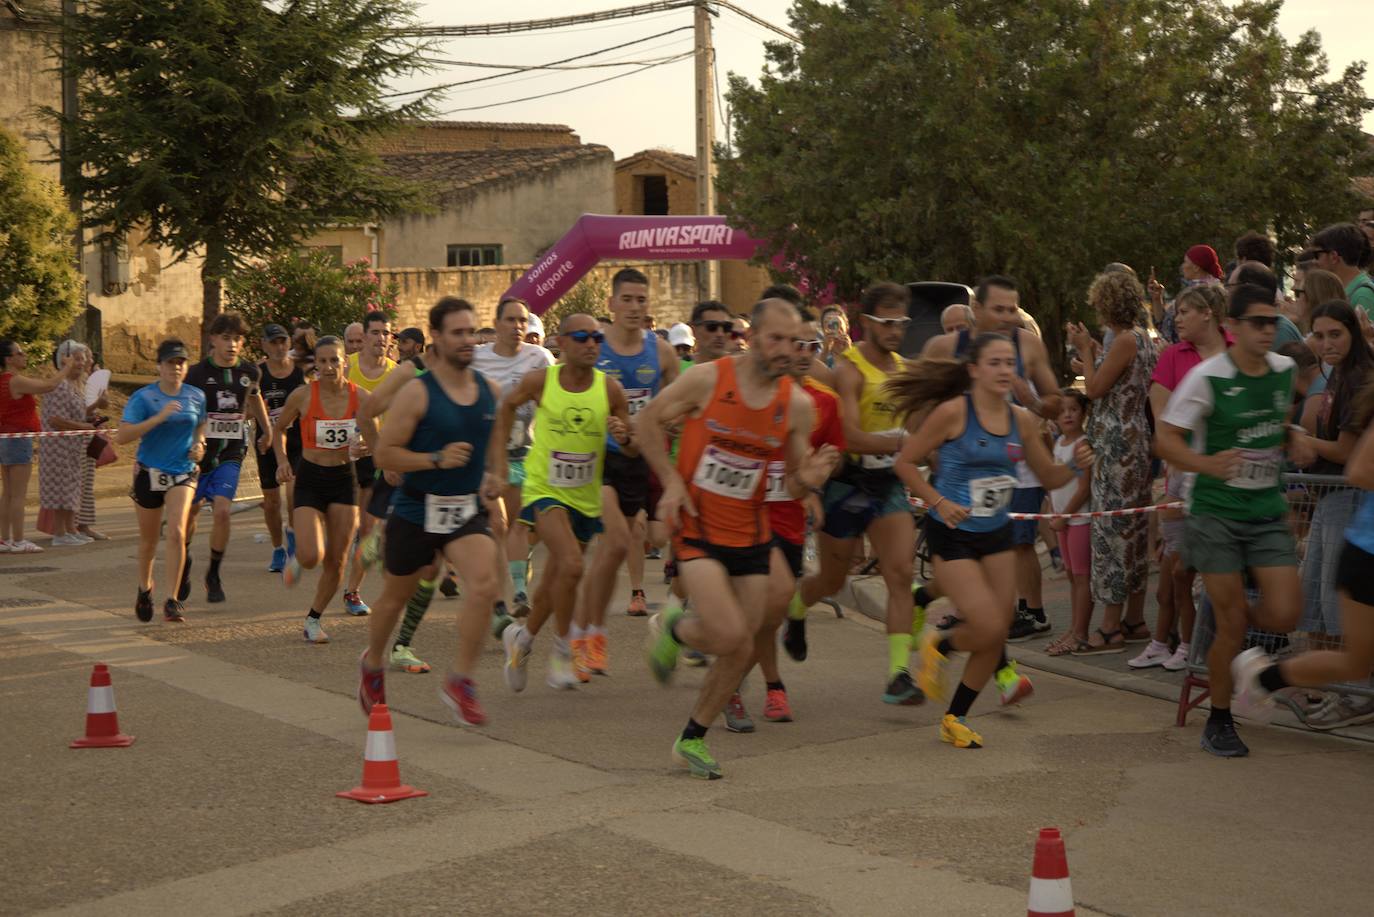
<point>936,504</point>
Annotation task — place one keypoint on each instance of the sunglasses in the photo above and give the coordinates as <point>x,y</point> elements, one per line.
<point>582,337</point>
<point>890,322</point>
<point>813,346</point>
<point>717,327</point>
<point>1260,321</point>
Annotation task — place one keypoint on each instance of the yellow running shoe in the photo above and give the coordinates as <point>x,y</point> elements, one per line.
<point>931,677</point>
<point>955,731</point>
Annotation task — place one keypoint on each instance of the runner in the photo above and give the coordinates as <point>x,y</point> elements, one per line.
<point>438,434</point>
<point>230,385</point>
<point>168,418</point>
<point>714,500</point>
<point>576,407</point>
<point>410,342</point>
<point>324,509</point>
<point>278,377</point>
<point>967,527</point>
<point>1236,405</point>
<point>506,362</point>
<point>865,497</point>
<point>643,364</point>
<point>354,337</point>
<point>366,370</point>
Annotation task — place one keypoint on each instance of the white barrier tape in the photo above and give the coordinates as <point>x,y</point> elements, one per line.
<point>381,746</point>
<point>1129,511</point>
<point>100,700</point>
<point>1050,897</point>
<point>44,434</point>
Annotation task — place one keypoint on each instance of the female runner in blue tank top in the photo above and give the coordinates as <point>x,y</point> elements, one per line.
<point>1257,677</point>
<point>980,436</point>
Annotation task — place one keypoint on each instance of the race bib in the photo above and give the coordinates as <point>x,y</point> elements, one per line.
<point>775,491</point>
<point>224,426</point>
<point>638,398</point>
<point>879,462</point>
<point>727,474</point>
<point>274,413</point>
<point>334,434</point>
<point>1259,470</point>
<point>990,496</point>
<point>572,469</point>
<point>445,515</point>
<point>160,481</point>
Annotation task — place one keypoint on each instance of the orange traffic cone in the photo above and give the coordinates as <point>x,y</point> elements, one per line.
<point>381,773</point>
<point>102,723</point>
<point>1050,894</point>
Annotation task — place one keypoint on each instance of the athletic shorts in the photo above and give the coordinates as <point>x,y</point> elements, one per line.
<point>629,478</point>
<point>366,470</point>
<point>150,486</point>
<point>754,560</point>
<point>409,548</point>
<point>16,451</point>
<point>584,528</point>
<point>319,487</point>
<point>221,481</point>
<point>1026,500</point>
<point>1352,576</point>
<point>515,472</point>
<point>955,544</point>
<point>1075,545</point>
<point>849,511</point>
<point>379,503</point>
<point>792,553</point>
<point>267,466</point>
<point>1217,545</point>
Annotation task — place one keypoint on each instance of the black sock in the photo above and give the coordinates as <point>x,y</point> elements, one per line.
<point>1271,679</point>
<point>1038,612</point>
<point>774,686</point>
<point>314,614</point>
<point>921,596</point>
<point>694,730</point>
<point>1021,605</point>
<point>145,592</point>
<point>215,558</point>
<point>963,699</point>
<point>945,646</point>
<point>1220,715</point>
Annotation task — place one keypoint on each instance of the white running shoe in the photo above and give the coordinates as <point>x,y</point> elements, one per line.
<point>1155,653</point>
<point>561,676</point>
<point>517,657</point>
<point>67,541</point>
<point>1251,700</point>
<point>1178,661</point>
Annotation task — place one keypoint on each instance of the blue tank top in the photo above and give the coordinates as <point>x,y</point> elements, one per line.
<point>639,375</point>
<point>445,422</point>
<point>978,470</point>
<point>1360,532</point>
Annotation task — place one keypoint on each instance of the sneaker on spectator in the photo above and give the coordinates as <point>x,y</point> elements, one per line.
<point>1155,653</point>
<point>1178,661</point>
<point>1343,711</point>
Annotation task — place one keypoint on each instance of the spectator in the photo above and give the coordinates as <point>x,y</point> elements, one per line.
<point>1074,536</point>
<point>1254,246</point>
<point>835,331</point>
<point>684,342</point>
<point>1117,380</point>
<point>1313,285</point>
<point>1261,276</point>
<point>85,514</point>
<point>1365,220</point>
<point>1344,250</point>
<point>1200,267</point>
<point>60,475</point>
<point>19,414</point>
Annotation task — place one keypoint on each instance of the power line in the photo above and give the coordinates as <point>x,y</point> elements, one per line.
<point>558,22</point>
<point>726,4</point>
<point>560,92</point>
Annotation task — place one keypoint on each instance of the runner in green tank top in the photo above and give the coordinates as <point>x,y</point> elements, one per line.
<point>578,405</point>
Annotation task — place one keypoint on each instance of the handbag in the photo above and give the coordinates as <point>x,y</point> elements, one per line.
<point>100,449</point>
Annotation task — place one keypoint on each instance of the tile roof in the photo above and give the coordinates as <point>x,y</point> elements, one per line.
<point>457,171</point>
<point>679,162</point>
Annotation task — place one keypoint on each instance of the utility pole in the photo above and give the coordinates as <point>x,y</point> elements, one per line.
<point>708,273</point>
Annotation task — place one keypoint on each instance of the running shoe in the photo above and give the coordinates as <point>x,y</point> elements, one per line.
<point>1012,685</point>
<point>448,586</point>
<point>1221,739</point>
<point>500,619</point>
<point>597,654</point>
<point>660,647</point>
<point>775,706</point>
<point>184,590</point>
<point>1023,627</point>
<point>314,633</point>
<point>1341,711</point>
<point>1252,701</point>
<point>460,697</point>
<point>355,606</point>
<point>736,717</point>
<point>174,612</point>
<point>278,561</point>
<point>1155,653</point>
<point>522,605</point>
<point>955,731</point>
<point>933,663</point>
<point>653,554</point>
<point>579,660</point>
<point>693,658</point>
<point>794,639</point>
<point>696,757</point>
<point>561,677</point>
<point>1178,661</point>
<point>403,660</point>
<point>24,547</point>
<point>143,607</point>
<point>291,572</point>
<point>517,657</point>
<point>5,546</point>
<point>639,605</point>
<point>290,540</point>
<point>902,690</point>
<point>371,685</point>
<point>370,548</point>
<point>214,589</point>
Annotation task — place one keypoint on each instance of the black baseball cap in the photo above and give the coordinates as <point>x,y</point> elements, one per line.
<point>412,334</point>
<point>172,349</point>
<point>271,331</point>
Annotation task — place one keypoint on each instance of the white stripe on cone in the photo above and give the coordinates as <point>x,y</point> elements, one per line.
<point>1050,897</point>
<point>100,700</point>
<point>381,746</point>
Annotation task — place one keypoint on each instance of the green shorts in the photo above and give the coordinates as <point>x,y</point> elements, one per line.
<point>516,475</point>
<point>1217,545</point>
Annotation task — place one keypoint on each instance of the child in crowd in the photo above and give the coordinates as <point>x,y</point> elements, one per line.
<point>1075,541</point>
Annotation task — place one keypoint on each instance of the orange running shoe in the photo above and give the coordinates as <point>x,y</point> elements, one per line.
<point>639,605</point>
<point>596,654</point>
<point>775,707</point>
<point>579,660</point>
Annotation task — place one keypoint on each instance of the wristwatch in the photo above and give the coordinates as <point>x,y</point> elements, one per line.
<point>435,458</point>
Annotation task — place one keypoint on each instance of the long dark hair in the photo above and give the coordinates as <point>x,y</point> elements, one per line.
<point>935,379</point>
<point>1348,375</point>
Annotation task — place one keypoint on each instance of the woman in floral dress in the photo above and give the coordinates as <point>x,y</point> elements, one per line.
<point>60,471</point>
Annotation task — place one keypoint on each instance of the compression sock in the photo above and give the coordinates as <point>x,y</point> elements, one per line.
<point>215,558</point>
<point>1271,679</point>
<point>415,610</point>
<point>898,653</point>
<point>694,730</point>
<point>517,575</point>
<point>963,699</point>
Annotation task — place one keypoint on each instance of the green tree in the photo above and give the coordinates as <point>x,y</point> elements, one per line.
<point>944,139</point>
<point>40,288</point>
<point>233,130</point>
<point>307,286</point>
<point>589,297</point>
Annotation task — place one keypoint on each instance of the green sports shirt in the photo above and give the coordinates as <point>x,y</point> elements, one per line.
<point>569,449</point>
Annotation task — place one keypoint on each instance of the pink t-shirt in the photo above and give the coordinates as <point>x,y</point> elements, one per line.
<point>1173,364</point>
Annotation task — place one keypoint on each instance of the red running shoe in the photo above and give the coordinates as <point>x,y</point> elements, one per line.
<point>371,685</point>
<point>775,707</point>
<point>460,696</point>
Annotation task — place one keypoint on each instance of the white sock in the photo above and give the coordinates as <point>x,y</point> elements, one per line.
<point>596,630</point>
<point>1183,648</point>
<point>577,633</point>
<point>1156,645</point>
<point>560,646</point>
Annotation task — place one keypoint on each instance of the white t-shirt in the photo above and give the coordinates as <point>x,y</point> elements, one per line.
<point>506,372</point>
<point>1060,496</point>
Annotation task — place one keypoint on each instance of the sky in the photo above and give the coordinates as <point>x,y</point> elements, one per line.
<point>655,108</point>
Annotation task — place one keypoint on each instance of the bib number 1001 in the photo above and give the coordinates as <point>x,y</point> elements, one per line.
<point>727,474</point>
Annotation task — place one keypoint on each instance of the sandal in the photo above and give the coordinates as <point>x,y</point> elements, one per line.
<point>1099,649</point>
<point>1139,632</point>
<point>1064,646</point>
